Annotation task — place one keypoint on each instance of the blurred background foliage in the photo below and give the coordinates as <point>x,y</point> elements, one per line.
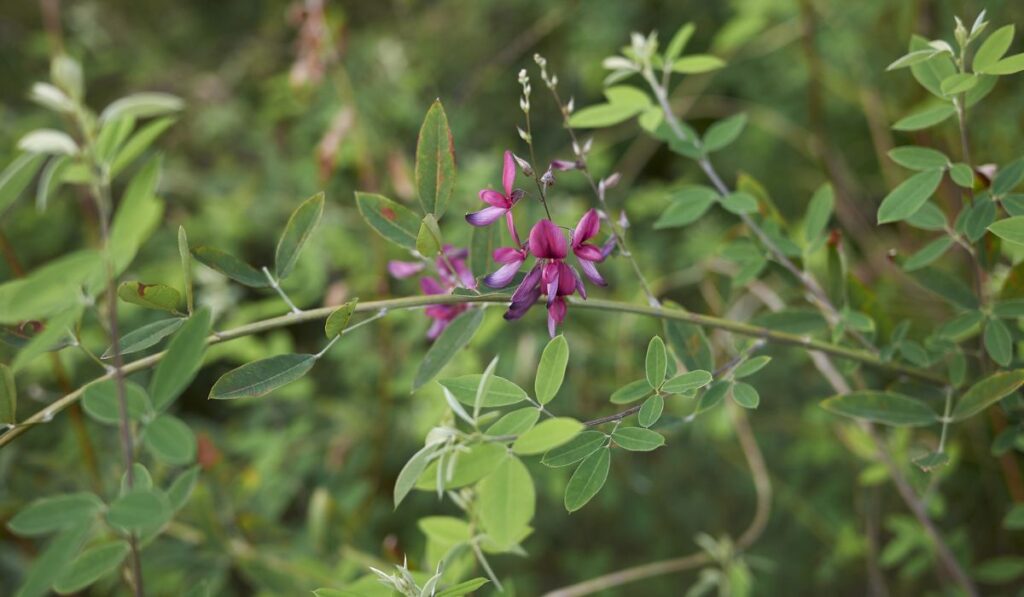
<point>285,99</point>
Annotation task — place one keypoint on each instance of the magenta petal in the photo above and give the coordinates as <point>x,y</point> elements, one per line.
<point>495,198</point>
<point>503,276</point>
<point>591,272</point>
<point>587,227</point>
<point>547,241</point>
<point>465,276</point>
<point>589,252</point>
<point>566,280</point>
<point>508,173</point>
<point>404,269</point>
<point>508,255</point>
<point>556,315</point>
<point>431,286</point>
<point>485,216</point>
<point>530,283</point>
<point>579,283</point>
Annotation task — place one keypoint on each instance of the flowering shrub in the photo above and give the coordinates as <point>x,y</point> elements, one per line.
<point>481,453</point>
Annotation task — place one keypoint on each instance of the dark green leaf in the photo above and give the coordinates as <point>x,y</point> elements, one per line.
<point>1008,177</point>
<point>300,225</point>
<point>687,206</point>
<point>100,401</point>
<point>50,514</point>
<point>656,364</point>
<point>53,561</point>
<point>392,221</point>
<point>745,395</point>
<point>578,448</point>
<point>139,510</point>
<point>182,360</point>
<point>588,479</point>
<point>998,342</point>
<point>170,440</point>
<point>750,367</point>
<point>685,382</point>
<point>231,266</point>
<point>148,335</point>
<point>453,339</point>
<point>8,396</point>
<point>887,408</point>
<point>638,439</point>
<point>819,212</point>
<point>722,133</point>
<point>463,588</point>
<point>987,392</point>
<point>650,410</point>
<point>435,161</point>
<point>928,254</point>
<point>947,286</point>
<point>91,565</point>
<point>53,337</point>
<point>919,158</point>
<point>925,118</point>
<point>261,377</point>
<point>181,488</point>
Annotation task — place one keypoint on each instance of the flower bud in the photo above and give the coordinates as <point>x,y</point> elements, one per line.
<point>525,166</point>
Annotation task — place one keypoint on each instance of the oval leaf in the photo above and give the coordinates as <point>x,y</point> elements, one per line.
<point>638,439</point>
<point>909,196</point>
<point>182,360</point>
<point>170,440</point>
<point>300,225</point>
<point>54,513</point>
<point>231,266</point>
<point>588,478</point>
<point>150,296</point>
<point>575,450</point>
<point>435,161</point>
<point>656,363</point>
<point>547,435</point>
<point>261,377</point>
<point>390,220</point>
<point>986,393</point>
<point>91,565</point>
<point>887,408</point>
<point>338,320</point>
<point>506,502</point>
<point>551,369</point>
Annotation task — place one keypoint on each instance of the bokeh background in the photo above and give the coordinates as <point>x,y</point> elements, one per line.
<point>288,98</point>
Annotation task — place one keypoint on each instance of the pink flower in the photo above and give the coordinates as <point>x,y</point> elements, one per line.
<point>500,205</point>
<point>451,273</point>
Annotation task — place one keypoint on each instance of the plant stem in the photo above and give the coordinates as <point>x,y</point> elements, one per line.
<point>277,287</point>
<point>414,302</point>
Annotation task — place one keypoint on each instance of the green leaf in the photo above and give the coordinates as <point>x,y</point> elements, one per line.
<point>962,175</point>
<point>993,48</point>
<point>638,439</point>
<point>139,510</point>
<point>686,382</point>
<point>506,501</point>
<point>389,219</point>
<point>1007,66</point>
<point>91,565</point>
<point>602,115</point>
<point>141,479</point>
<point>17,176</point>
<point>998,342</point>
<point>930,73</point>
<point>112,135</point>
<point>929,217</point>
<point>1001,570</point>
<point>1009,229</point>
<point>500,391</point>
<point>8,396</point>
<point>713,396</point>
<point>932,251</point>
<point>262,377</point>
<point>470,467</point>
<point>100,401</point>
<point>588,479</point>
<point>548,434</point>
<point>745,395</point>
<point>750,367</point>
<point>230,266</point>
<point>138,143</point>
<point>453,339</point>
<point>629,97</point>
<point>181,488</point>
<point>1008,177</point>
<point>137,216</point>
<point>1014,520</point>
<point>428,239</point>
<point>53,561</point>
<point>946,286</point>
<point>987,392</point>
<point>925,118</point>
<point>148,335</point>
<point>463,588</point>
<point>575,450</point>
<point>887,408</point>
<point>656,364</point>
<point>697,63</point>
<point>142,105</point>
<point>919,158</point>
<point>650,410</point>
<point>912,58</point>
<point>1010,308</point>
<point>170,440</point>
<point>688,205</point>
<point>338,320</point>
<point>551,369</point>
<point>186,267</point>
<point>435,161</point>
<point>958,83</point>
<point>722,133</point>
<point>516,422</point>
<point>631,392</point>
<point>54,513</point>
<point>411,472</point>
<point>50,180</point>
<point>819,212</point>
<point>150,296</point>
<point>300,225</point>
<point>678,44</point>
<point>182,360</point>
<point>740,203</point>
<point>909,196</point>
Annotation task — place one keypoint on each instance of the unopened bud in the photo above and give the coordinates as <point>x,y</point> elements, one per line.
<point>563,165</point>
<point>525,166</point>
<point>548,179</point>
<point>523,135</point>
<point>612,181</point>
<point>569,107</point>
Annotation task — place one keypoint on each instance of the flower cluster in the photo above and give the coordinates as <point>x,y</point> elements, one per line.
<point>452,272</point>
<point>550,276</point>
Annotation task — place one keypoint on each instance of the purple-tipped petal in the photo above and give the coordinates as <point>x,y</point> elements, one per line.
<point>404,269</point>
<point>607,248</point>
<point>494,198</point>
<point>587,227</point>
<point>436,328</point>
<point>431,286</point>
<point>508,173</point>
<point>591,272</point>
<point>503,276</point>
<point>453,253</point>
<point>510,222</point>
<point>579,283</point>
<point>465,276</point>
<point>563,165</point>
<point>547,241</point>
<point>485,216</point>
<point>556,315</point>
<point>508,255</point>
<point>519,308</point>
